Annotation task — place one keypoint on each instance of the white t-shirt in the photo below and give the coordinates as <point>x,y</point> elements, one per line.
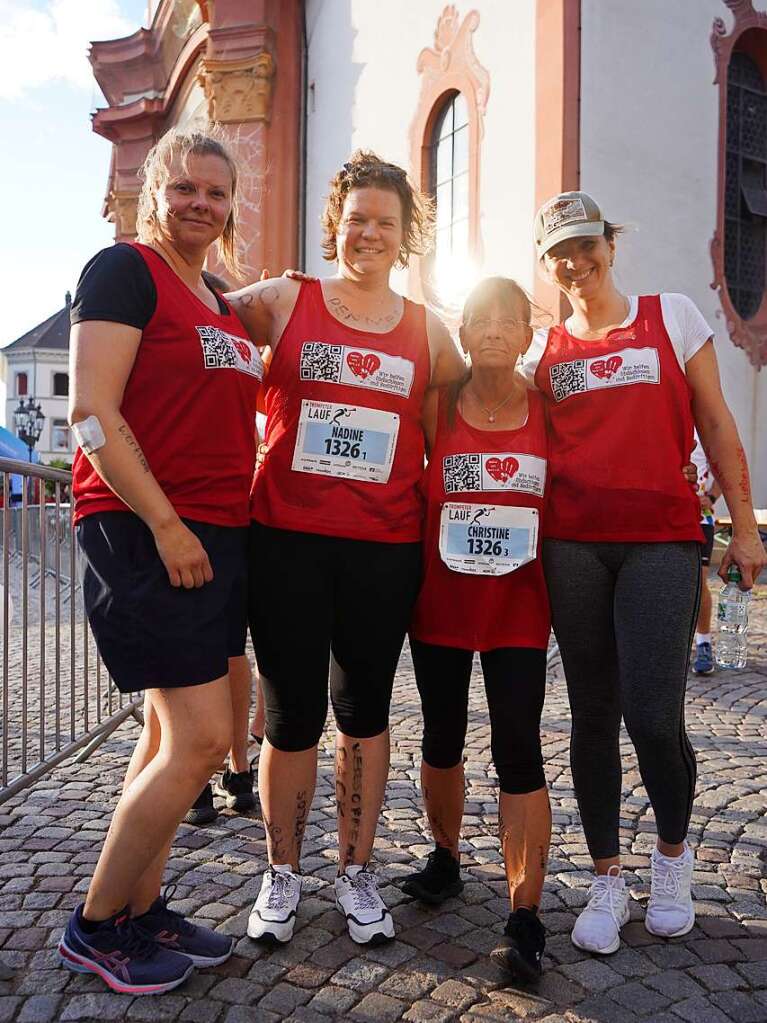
<point>684,323</point>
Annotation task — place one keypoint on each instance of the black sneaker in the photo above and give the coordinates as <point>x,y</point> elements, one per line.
<point>520,950</point>
<point>202,810</point>
<point>439,880</point>
<point>237,788</point>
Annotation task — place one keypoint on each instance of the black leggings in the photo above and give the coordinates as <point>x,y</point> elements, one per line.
<point>313,595</point>
<point>515,684</point>
<point>624,615</point>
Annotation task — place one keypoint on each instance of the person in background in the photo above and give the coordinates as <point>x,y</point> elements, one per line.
<point>708,491</point>
<point>236,783</point>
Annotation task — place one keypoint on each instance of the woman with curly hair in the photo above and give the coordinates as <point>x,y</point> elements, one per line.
<point>337,524</point>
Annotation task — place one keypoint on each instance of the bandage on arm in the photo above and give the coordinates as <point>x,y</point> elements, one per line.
<point>89,434</point>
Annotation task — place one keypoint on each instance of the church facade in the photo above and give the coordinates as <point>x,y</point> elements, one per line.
<point>658,110</point>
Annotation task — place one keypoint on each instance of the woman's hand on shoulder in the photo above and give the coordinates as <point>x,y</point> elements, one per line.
<point>447,365</point>
<point>184,557</point>
<point>264,307</point>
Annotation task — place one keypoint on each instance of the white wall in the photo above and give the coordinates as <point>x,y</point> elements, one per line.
<point>362,63</point>
<point>649,143</point>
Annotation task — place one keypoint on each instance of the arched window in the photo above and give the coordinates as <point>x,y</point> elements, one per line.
<point>449,174</point>
<point>745,201</point>
<point>738,248</point>
<point>61,385</point>
<point>21,385</point>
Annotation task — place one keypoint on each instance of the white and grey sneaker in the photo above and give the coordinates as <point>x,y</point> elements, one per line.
<point>670,912</point>
<point>368,919</point>
<point>274,912</point>
<point>598,927</point>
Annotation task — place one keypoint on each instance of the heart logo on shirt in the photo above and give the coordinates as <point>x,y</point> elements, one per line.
<point>243,348</point>
<point>502,470</point>
<point>363,366</point>
<point>605,368</point>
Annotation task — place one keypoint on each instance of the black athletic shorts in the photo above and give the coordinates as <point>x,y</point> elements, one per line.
<point>708,544</point>
<point>313,595</point>
<point>152,635</point>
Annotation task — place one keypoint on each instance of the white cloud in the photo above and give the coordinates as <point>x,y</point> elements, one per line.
<point>50,42</point>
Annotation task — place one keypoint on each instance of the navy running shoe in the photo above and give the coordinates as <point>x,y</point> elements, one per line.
<point>169,929</point>
<point>704,659</point>
<point>123,955</point>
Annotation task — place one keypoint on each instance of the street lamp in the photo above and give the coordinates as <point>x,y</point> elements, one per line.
<point>29,419</point>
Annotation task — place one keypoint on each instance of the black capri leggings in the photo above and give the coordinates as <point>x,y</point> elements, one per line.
<point>515,684</point>
<point>313,595</point>
<point>624,615</point>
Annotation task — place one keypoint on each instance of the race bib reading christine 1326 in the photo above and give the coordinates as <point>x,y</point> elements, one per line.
<point>487,539</point>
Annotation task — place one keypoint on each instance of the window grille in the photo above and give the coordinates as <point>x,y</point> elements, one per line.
<point>745,199</point>
<point>449,172</point>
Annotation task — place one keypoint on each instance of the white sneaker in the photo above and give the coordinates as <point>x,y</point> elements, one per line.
<point>670,912</point>
<point>598,927</point>
<point>368,919</point>
<point>274,912</point>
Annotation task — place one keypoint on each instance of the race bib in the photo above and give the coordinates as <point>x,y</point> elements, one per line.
<point>487,539</point>
<point>346,441</point>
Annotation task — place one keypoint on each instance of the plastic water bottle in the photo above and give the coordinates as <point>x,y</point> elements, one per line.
<point>732,615</point>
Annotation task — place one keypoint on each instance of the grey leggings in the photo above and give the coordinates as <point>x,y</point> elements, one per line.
<point>623,615</point>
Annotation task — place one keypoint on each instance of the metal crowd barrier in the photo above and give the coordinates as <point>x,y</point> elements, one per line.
<point>57,698</point>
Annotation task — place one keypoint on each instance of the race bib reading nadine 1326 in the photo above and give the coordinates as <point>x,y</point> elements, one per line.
<point>347,441</point>
<point>487,539</point>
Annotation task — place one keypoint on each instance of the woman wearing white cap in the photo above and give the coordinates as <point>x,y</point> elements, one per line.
<point>624,378</point>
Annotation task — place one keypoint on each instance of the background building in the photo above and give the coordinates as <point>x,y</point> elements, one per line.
<point>36,365</point>
<point>658,109</point>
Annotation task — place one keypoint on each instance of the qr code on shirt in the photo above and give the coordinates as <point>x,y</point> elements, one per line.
<point>217,348</point>
<point>320,361</point>
<point>568,378</point>
<point>462,472</point>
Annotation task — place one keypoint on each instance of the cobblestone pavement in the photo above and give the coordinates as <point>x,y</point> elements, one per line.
<point>438,968</point>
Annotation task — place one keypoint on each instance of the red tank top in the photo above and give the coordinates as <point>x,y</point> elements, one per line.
<point>469,472</point>
<point>343,427</point>
<point>621,428</point>
<point>190,401</point>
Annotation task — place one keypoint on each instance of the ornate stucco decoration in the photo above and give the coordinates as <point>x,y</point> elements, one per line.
<point>123,206</point>
<point>450,66</point>
<point>751,334</point>
<point>454,52</point>
<point>238,90</point>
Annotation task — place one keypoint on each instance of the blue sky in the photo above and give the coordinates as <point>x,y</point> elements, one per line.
<point>54,175</point>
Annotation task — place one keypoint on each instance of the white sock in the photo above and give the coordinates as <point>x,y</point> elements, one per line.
<point>353,869</point>
<point>282,868</point>
<point>702,637</point>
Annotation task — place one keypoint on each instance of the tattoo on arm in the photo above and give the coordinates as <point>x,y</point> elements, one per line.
<point>134,445</point>
<point>742,484</point>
